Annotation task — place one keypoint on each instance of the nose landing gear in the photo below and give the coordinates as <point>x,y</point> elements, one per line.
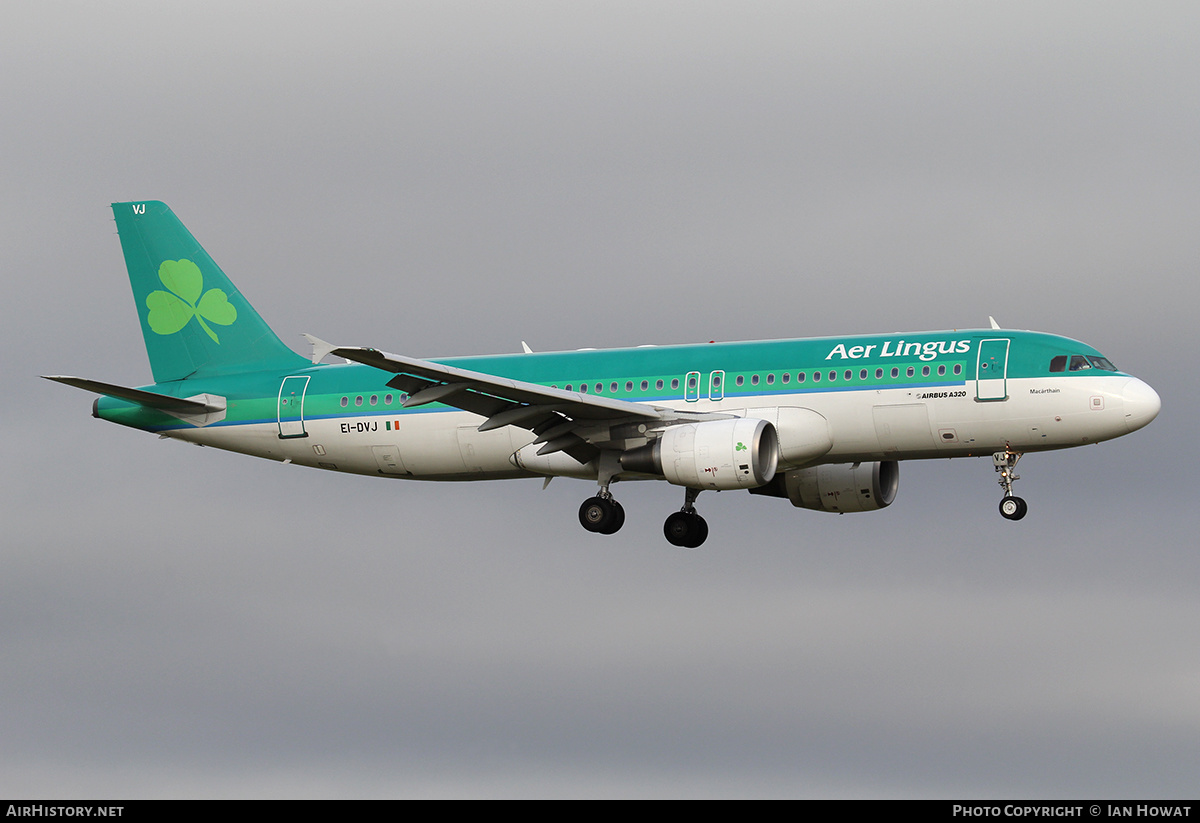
<point>1011,508</point>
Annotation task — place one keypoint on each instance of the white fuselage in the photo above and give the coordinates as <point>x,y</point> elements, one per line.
<point>865,424</point>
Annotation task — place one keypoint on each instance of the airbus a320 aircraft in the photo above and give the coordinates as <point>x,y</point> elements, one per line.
<point>821,422</point>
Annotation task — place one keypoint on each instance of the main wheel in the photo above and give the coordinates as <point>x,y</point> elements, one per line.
<point>595,514</point>
<point>1013,508</point>
<point>601,516</point>
<point>617,519</point>
<point>685,529</point>
<point>699,534</point>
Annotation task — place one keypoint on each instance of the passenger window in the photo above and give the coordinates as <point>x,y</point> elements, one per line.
<point>942,370</point>
<point>674,383</point>
<point>816,377</point>
<point>628,385</point>
<point>599,388</point>
<point>770,379</point>
<point>799,377</point>
<point>754,380</point>
<point>958,368</point>
<point>832,376</point>
<point>787,376</point>
<point>658,385</point>
<point>895,373</point>
<point>740,380</point>
<point>924,371</point>
<point>358,400</point>
<point>583,387</point>
<point>374,399</point>
<point>862,375</point>
<point>345,402</point>
<point>911,371</point>
<point>645,385</point>
<point>1058,363</point>
<point>612,387</point>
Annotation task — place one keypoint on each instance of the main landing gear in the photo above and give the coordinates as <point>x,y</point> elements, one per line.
<point>1011,508</point>
<point>685,527</point>
<point>602,514</point>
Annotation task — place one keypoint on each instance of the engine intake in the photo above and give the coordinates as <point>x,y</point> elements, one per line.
<point>717,454</point>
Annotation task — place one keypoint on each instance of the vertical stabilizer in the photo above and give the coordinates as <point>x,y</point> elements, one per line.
<point>195,323</point>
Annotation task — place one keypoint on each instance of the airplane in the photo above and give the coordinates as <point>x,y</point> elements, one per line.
<point>821,422</point>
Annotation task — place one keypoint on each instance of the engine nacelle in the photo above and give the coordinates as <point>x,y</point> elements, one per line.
<point>840,487</point>
<point>716,454</point>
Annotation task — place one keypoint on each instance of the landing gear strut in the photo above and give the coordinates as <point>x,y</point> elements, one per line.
<point>603,514</point>
<point>1011,508</point>
<point>685,527</point>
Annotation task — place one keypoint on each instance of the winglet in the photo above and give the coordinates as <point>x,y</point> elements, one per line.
<point>525,347</point>
<point>319,347</point>
<point>992,320</point>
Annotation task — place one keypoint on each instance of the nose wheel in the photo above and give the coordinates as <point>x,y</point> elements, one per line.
<point>1011,508</point>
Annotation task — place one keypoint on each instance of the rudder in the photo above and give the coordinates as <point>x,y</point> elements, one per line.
<point>195,323</point>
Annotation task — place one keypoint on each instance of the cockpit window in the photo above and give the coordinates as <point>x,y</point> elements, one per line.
<point>1081,362</point>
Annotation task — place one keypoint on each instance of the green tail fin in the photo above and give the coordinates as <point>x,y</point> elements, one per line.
<point>195,323</point>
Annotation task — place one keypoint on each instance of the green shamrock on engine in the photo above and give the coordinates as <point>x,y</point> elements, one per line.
<point>171,310</point>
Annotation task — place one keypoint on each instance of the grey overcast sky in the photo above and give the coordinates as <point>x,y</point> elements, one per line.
<point>452,178</point>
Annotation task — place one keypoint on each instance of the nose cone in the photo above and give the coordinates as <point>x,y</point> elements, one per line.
<point>1141,404</point>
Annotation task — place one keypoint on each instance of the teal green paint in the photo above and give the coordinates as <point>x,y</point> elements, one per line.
<point>252,396</point>
<point>171,310</point>
<point>160,252</point>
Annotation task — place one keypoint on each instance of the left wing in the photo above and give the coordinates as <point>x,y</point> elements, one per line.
<point>572,422</point>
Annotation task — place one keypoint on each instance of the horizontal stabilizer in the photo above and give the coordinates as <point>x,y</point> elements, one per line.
<point>199,410</point>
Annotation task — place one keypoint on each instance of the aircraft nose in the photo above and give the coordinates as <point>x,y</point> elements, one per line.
<point>1141,403</point>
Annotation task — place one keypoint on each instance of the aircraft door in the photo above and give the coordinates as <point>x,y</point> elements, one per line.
<point>291,407</point>
<point>991,370</point>
<point>716,386</point>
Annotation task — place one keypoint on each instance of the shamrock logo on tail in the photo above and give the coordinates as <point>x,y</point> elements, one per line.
<point>171,310</point>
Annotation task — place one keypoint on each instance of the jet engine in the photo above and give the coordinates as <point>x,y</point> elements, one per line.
<point>839,487</point>
<point>715,454</point>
